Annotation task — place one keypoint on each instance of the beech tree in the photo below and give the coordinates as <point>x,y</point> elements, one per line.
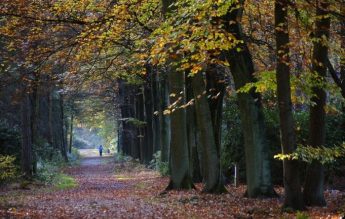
<point>292,184</point>
<point>250,107</point>
<point>179,156</point>
<point>314,184</point>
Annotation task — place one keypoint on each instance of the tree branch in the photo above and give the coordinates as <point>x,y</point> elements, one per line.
<point>334,74</point>
<point>52,20</point>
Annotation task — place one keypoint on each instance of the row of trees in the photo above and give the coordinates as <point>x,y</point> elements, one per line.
<point>34,110</point>
<point>165,78</point>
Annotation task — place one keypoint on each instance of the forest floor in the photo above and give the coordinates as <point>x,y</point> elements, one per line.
<point>108,189</point>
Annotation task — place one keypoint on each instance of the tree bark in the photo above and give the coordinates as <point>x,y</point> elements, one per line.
<point>258,171</point>
<point>62,128</point>
<point>192,134</point>
<point>26,157</point>
<point>155,108</point>
<point>342,58</point>
<point>292,185</point>
<point>179,157</point>
<point>215,88</point>
<point>50,117</point>
<point>71,133</point>
<point>35,102</point>
<point>314,184</point>
<point>213,176</point>
<point>164,119</point>
<point>142,129</point>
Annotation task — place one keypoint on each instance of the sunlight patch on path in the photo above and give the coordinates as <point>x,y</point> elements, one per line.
<point>90,157</point>
<point>88,153</point>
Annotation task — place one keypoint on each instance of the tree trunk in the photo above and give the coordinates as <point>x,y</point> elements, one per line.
<point>142,129</point>
<point>342,57</point>
<point>134,141</point>
<point>26,159</point>
<point>258,171</point>
<point>215,89</point>
<point>192,134</point>
<point>62,128</point>
<point>50,117</point>
<point>213,176</point>
<point>292,184</point>
<point>71,133</point>
<point>164,119</point>
<point>314,184</point>
<point>155,108</point>
<point>180,177</point>
<point>35,102</point>
<point>149,121</point>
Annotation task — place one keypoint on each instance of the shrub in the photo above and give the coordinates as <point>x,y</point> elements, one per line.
<point>74,156</point>
<point>8,169</point>
<point>10,141</point>
<point>49,166</point>
<point>157,164</point>
<point>121,157</point>
<point>301,215</point>
<point>47,171</point>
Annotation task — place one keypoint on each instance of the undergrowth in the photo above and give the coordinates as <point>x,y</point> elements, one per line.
<point>50,171</point>
<point>63,181</point>
<point>157,164</point>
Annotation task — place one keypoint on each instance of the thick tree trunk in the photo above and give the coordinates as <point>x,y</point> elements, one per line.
<point>216,89</point>
<point>258,171</point>
<point>179,157</point>
<point>213,176</point>
<point>292,185</point>
<point>192,134</point>
<point>314,184</point>
<point>26,159</point>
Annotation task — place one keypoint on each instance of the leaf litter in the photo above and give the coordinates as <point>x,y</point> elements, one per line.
<point>109,189</point>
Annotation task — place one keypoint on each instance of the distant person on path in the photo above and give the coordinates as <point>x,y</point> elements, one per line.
<point>100,149</point>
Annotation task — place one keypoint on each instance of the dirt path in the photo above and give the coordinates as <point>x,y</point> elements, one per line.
<point>99,194</point>
<point>128,190</point>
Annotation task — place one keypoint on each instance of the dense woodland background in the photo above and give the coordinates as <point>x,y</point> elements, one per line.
<point>195,87</point>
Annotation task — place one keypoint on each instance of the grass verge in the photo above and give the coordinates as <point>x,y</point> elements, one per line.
<point>63,181</point>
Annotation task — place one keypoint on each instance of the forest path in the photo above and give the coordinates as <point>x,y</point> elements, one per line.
<point>126,189</point>
<point>103,191</point>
